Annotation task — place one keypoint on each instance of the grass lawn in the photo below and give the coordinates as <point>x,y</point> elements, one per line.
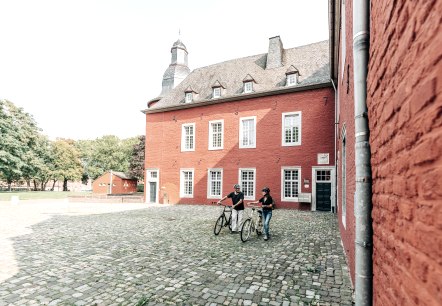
<point>35,195</point>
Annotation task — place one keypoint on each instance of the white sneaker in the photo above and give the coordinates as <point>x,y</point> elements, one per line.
<point>265,237</point>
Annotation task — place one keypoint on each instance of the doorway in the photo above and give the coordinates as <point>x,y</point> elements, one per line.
<point>152,181</point>
<point>323,193</point>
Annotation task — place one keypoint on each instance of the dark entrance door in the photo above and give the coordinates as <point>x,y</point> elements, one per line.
<point>323,193</point>
<point>153,192</point>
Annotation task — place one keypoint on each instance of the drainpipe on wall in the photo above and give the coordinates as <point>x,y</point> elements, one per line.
<point>335,208</point>
<point>363,204</point>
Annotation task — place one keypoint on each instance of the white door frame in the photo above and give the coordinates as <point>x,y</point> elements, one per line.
<point>149,180</point>
<point>333,185</point>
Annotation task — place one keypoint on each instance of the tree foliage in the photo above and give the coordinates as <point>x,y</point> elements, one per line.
<point>106,153</point>
<point>27,155</point>
<point>66,160</point>
<point>19,141</point>
<point>136,165</point>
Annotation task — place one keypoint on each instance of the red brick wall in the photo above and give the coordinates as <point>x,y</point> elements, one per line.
<point>405,108</point>
<point>117,185</point>
<point>163,143</point>
<point>346,122</point>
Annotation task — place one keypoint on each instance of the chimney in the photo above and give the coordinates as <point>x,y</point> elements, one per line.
<point>274,57</point>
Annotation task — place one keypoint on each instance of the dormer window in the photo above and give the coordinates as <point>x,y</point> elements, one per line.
<point>216,89</point>
<point>292,76</point>
<point>216,92</point>
<point>248,87</point>
<point>292,79</point>
<point>189,97</point>
<point>248,84</point>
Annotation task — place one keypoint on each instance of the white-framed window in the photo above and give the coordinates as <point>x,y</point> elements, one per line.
<point>216,92</point>
<point>189,97</point>
<point>214,183</point>
<point>216,134</point>
<point>248,87</point>
<point>247,132</point>
<point>290,183</point>
<point>247,180</point>
<point>292,79</point>
<point>186,183</point>
<point>291,129</point>
<point>188,137</point>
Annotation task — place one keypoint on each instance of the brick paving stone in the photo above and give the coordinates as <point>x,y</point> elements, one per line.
<point>167,255</point>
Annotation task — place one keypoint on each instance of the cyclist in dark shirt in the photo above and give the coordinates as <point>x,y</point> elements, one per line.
<point>238,207</point>
<point>267,207</point>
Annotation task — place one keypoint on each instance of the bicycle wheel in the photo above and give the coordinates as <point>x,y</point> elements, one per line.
<point>246,230</point>
<point>218,225</point>
<point>259,227</point>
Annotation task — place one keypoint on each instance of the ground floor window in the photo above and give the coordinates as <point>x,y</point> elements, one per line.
<point>247,178</point>
<point>215,179</point>
<point>186,188</point>
<point>290,178</point>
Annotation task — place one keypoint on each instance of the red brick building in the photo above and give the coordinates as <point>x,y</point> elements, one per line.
<point>404,107</point>
<point>114,182</point>
<point>263,120</point>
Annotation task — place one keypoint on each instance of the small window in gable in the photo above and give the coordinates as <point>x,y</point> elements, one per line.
<point>292,79</point>
<point>248,87</point>
<point>248,84</point>
<point>189,97</point>
<point>216,92</point>
<point>292,76</point>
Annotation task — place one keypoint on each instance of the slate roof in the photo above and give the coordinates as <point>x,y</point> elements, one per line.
<point>123,175</point>
<point>312,62</point>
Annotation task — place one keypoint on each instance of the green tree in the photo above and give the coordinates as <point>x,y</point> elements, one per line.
<point>108,153</point>
<point>66,160</point>
<point>86,149</point>
<point>18,139</point>
<point>136,164</point>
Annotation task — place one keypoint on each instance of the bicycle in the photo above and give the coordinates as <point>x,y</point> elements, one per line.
<point>225,219</point>
<point>251,224</point>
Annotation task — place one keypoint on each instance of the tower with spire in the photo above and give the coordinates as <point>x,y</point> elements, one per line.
<point>178,69</point>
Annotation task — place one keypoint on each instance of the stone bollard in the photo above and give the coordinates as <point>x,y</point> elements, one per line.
<point>14,200</point>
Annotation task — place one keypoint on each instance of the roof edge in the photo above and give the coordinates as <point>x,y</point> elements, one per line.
<point>239,97</point>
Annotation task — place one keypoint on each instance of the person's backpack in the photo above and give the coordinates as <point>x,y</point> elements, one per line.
<point>274,204</point>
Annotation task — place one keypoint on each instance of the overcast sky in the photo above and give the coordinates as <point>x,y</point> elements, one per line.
<point>86,68</point>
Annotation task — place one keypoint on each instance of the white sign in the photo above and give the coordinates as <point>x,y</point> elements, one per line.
<point>305,197</point>
<point>323,158</point>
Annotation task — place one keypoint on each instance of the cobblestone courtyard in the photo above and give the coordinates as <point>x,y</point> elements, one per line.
<point>167,255</point>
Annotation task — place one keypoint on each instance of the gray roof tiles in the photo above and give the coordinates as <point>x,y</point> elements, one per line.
<point>312,62</point>
<point>123,175</point>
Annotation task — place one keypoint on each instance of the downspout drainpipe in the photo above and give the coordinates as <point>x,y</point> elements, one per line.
<point>363,204</point>
<point>334,208</point>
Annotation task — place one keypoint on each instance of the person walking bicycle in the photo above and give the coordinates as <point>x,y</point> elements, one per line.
<point>237,207</point>
<point>267,207</point>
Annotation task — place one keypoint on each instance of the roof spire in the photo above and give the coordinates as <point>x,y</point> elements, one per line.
<point>178,68</point>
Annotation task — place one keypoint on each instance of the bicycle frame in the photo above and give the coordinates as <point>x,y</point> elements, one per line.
<point>251,224</point>
<point>225,219</point>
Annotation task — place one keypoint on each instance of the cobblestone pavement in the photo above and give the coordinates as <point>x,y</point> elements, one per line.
<point>168,255</point>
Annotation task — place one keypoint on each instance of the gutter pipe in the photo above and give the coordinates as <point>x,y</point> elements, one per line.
<point>334,208</point>
<point>363,195</point>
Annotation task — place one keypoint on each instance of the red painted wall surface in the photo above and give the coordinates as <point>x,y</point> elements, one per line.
<point>163,144</point>
<point>118,185</point>
<point>405,112</point>
<point>345,110</point>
